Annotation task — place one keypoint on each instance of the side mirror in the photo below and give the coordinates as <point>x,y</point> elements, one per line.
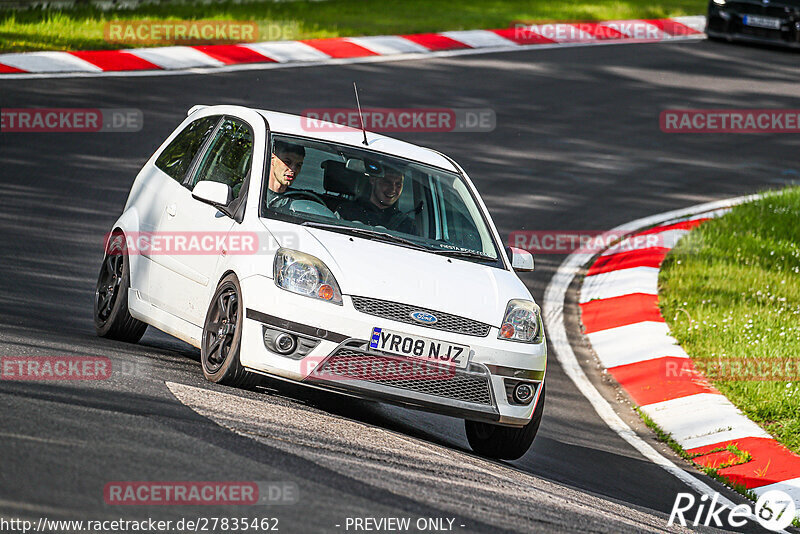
<point>521,260</point>
<point>217,194</point>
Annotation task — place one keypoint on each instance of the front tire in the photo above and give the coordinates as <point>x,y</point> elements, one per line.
<point>504,442</point>
<point>222,337</point>
<point>111,316</point>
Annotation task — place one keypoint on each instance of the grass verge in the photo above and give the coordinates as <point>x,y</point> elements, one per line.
<point>730,292</point>
<point>81,28</point>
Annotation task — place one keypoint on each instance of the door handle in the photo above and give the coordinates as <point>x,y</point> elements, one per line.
<point>172,209</point>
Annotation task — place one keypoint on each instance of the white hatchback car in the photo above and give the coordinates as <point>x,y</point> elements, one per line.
<point>316,253</point>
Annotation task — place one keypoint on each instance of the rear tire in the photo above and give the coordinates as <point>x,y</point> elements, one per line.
<point>222,337</point>
<point>111,316</point>
<point>504,442</point>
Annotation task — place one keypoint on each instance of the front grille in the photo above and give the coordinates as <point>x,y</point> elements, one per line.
<point>746,8</point>
<point>354,364</point>
<point>401,313</point>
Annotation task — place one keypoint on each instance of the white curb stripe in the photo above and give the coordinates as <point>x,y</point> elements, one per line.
<point>634,343</point>
<point>695,22</point>
<point>387,45</point>
<point>48,62</point>
<point>480,39</point>
<point>620,283</point>
<point>702,419</point>
<point>175,57</point>
<point>790,487</point>
<point>288,51</point>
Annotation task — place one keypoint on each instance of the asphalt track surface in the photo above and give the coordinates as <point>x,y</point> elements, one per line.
<point>577,146</point>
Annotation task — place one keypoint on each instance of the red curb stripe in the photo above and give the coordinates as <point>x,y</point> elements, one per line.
<point>337,47</point>
<point>5,69</point>
<point>771,462</point>
<point>603,314</point>
<point>233,54</point>
<point>649,257</point>
<point>661,379</point>
<point>672,27</point>
<point>596,30</point>
<point>522,36</point>
<point>434,41</point>
<point>114,60</point>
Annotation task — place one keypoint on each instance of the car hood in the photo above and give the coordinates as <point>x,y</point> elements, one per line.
<point>386,271</point>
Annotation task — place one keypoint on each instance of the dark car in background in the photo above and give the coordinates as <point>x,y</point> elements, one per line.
<point>762,21</point>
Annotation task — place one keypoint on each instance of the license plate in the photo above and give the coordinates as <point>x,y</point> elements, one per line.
<point>762,22</point>
<point>418,347</point>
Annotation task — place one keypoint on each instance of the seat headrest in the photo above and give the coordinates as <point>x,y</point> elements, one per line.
<point>339,179</point>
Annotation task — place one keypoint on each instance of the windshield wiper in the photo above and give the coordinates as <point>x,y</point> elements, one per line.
<point>370,234</point>
<point>466,254</point>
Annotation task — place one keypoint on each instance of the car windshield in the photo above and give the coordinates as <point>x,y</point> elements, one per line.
<point>365,193</point>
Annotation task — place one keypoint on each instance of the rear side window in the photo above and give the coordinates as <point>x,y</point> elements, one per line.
<point>177,157</point>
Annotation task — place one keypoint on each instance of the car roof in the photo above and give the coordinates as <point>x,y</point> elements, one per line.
<point>284,123</point>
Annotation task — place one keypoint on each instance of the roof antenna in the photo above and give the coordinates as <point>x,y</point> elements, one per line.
<point>355,88</point>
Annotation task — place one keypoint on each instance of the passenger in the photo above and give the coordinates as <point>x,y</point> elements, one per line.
<point>381,207</point>
<point>287,160</point>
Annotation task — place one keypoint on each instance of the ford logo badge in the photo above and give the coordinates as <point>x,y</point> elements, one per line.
<point>423,317</point>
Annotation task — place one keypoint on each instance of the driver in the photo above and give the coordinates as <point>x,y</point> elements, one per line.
<point>381,207</point>
<point>287,160</point>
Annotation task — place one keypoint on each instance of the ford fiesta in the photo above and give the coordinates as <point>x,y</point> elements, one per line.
<point>306,251</point>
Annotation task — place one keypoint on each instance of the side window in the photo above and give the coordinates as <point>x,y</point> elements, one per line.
<point>177,157</point>
<point>228,157</point>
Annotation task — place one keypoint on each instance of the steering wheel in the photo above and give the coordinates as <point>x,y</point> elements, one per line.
<point>398,217</point>
<point>297,195</point>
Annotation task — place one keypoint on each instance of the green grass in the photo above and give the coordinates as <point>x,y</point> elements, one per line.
<point>82,28</point>
<point>730,292</point>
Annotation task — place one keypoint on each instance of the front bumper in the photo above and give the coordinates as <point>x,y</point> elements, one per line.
<point>338,361</point>
<point>728,23</point>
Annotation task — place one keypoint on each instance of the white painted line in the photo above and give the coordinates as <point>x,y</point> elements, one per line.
<point>48,62</point>
<point>634,343</point>
<point>480,39</point>
<point>702,419</point>
<point>553,306</point>
<point>288,51</point>
<point>619,283</point>
<point>387,45</point>
<point>175,57</point>
<point>715,213</point>
<point>667,239</point>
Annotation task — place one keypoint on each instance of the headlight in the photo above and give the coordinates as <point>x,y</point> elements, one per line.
<point>720,2</point>
<point>305,275</point>
<point>521,321</point>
